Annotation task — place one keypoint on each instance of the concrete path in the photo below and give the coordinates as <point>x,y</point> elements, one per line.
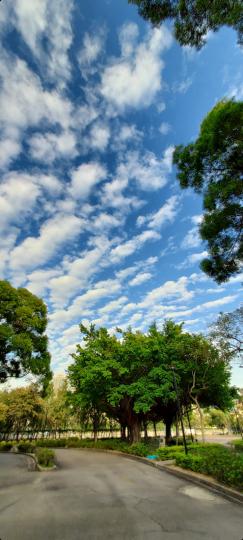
<point>94,496</point>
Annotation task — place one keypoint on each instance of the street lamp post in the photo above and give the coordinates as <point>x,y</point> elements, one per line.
<point>179,411</point>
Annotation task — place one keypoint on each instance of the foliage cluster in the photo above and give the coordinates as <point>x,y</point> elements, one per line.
<point>132,380</point>
<point>6,446</point>
<point>213,166</point>
<point>217,461</point>
<point>194,18</point>
<point>45,457</point>
<point>238,445</point>
<point>23,343</point>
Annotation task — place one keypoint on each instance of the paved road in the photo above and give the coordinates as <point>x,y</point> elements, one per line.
<point>94,496</point>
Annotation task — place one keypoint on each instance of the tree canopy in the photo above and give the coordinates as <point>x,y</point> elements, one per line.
<point>227,332</point>
<point>194,18</point>
<point>23,343</point>
<point>213,166</point>
<point>132,379</point>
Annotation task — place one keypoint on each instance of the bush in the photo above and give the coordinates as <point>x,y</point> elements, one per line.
<point>5,446</point>
<point>223,464</point>
<point>169,452</point>
<point>238,445</point>
<point>26,447</point>
<point>45,457</point>
<point>138,449</point>
<point>51,443</point>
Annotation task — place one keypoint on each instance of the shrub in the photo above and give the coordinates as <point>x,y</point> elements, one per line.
<point>51,443</point>
<point>45,457</point>
<point>138,449</point>
<point>222,463</point>
<point>5,446</point>
<point>169,452</point>
<point>26,447</point>
<point>238,445</point>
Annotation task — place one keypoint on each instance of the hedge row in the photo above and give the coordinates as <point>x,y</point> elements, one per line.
<point>138,449</point>
<point>221,463</point>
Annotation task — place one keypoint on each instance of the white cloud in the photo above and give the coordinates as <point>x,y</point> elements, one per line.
<point>76,274</point>
<point>104,222</point>
<point>134,79</point>
<point>9,150</point>
<point>190,260</point>
<point>27,107</point>
<point>114,305</point>
<point>130,246</point>
<point>13,209</point>
<point>196,257</point>
<point>170,289</point>
<point>151,173</point>
<point>125,134</point>
<point>197,219</point>
<point>128,37</point>
<point>85,177</point>
<point>236,92</point>
<point>99,136</point>
<point>237,279</point>
<point>50,146</point>
<point>204,306</point>
<point>52,21</point>
<point>91,48</point>
<point>7,242</point>
<point>140,278</point>
<point>166,213</point>
<point>182,86</point>
<point>38,281</point>
<point>54,233</point>
<point>164,128</point>
<point>81,304</point>
<point>147,171</point>
<point>192,239</point>
<point>144,264</point>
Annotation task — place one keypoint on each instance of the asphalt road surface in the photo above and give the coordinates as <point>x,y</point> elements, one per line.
<point>95,495</point>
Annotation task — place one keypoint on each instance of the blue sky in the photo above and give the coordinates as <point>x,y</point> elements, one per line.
<point>92,103</point>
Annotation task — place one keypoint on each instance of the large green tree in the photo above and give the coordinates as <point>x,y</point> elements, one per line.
<point>23,410</point>
<point>132,379</point>
<point>213,166</point>
<point>194,18</point>
<point>23,343</point>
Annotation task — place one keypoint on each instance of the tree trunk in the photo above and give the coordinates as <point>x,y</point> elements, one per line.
<point>155,430</point>
<point>168,425</point>
<point>123,432</point>
<point>201,419</point>
<point>135,431</point>
<point>177,430</point>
